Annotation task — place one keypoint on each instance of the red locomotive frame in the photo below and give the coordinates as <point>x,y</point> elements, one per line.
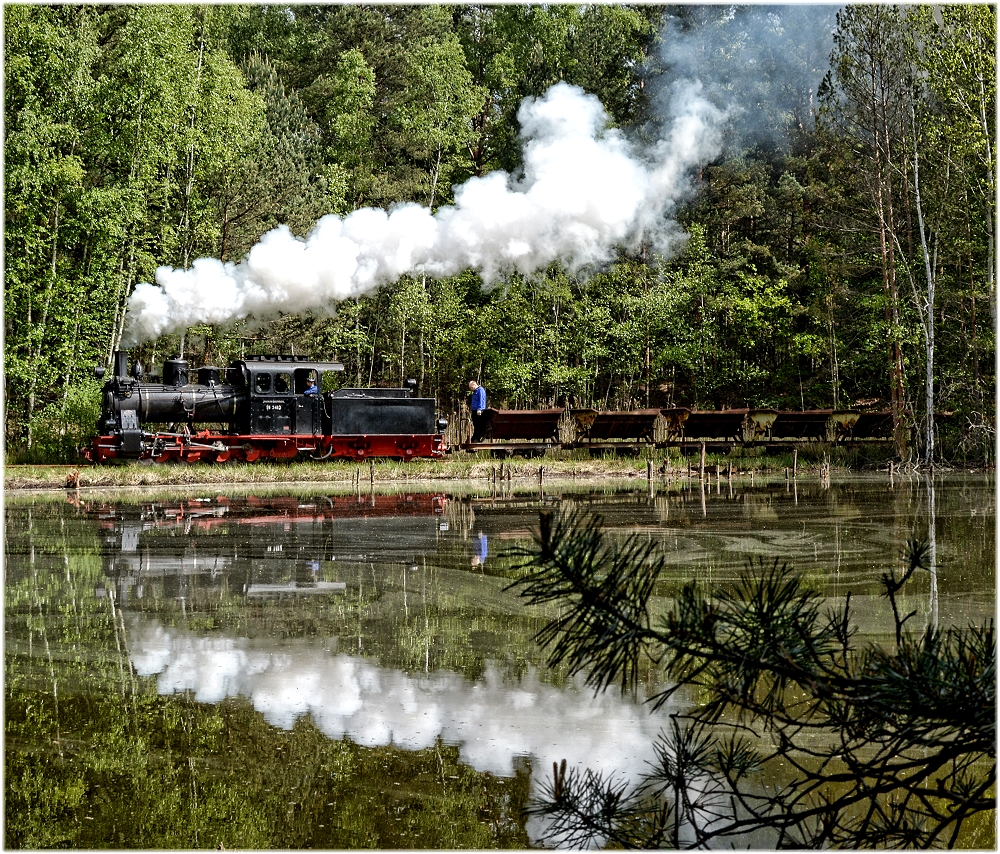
<point>208,446</point>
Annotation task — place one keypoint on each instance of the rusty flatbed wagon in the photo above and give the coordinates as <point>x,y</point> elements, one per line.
<point>872,425</point>
<point>722,424</point>
<point>525,432</point>
<point>621,432</point>
<point>812,424</point>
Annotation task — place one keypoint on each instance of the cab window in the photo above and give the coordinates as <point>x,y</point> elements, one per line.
<point>302,377</point>
<point>282,383</point>
<point>262,383</point>
<point>329,381</point>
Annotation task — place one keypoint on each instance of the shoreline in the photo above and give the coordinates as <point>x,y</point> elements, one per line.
<point>469,471</point>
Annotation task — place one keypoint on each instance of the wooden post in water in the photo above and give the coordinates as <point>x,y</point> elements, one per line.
<point>701,470</point>
<point>795,463</point>
<point>371,471</point>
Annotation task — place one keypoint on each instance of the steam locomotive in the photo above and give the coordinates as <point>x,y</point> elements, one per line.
<point>258,408</point>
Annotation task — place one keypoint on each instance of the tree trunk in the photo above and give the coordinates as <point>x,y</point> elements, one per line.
<point>187,242</point>
<point>881,99</point>
<point>36,359</point>
<point>927,312</point>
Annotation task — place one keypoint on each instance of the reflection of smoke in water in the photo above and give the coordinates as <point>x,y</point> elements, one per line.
<point>585,190</point>
<point>492,721</point>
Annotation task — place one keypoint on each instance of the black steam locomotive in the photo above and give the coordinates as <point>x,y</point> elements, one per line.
<point>261,407</point>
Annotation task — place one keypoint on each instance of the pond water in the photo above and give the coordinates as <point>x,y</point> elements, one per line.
<point>318,668</point>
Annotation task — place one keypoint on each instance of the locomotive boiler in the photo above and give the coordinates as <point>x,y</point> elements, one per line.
<point>259,407</point>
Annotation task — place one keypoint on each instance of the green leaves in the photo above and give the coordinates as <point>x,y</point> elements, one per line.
<point>437,118</point>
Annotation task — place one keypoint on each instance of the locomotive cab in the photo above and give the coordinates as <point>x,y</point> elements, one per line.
<point>279,404</point>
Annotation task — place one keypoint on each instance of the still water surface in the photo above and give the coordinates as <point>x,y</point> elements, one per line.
<point>329,669</point>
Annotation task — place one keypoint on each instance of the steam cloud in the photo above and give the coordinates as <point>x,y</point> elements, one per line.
<point>783,53</point>
<point>585,190</point>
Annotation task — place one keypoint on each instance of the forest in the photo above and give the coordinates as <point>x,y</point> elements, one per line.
<point>831,245</point>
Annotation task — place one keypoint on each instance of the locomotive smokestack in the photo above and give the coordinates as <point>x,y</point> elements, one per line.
<point>120,363</point>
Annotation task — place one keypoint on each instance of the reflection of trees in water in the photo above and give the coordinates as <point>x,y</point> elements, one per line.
<point>144,771</point>
<point>932,549</point>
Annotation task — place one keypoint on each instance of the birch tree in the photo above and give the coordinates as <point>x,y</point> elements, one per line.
<point>867,97</point>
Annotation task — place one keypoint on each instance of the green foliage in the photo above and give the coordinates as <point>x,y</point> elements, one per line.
<point>137,136</point>
<point>45,803</point>
<point>517,51</point>
<point>202,776</point>
<point>63,426</point>
<point>790,734</point>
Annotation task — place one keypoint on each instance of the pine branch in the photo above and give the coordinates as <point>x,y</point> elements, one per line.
<point>875,748</point>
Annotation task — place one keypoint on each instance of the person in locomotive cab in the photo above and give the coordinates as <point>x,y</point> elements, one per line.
<point>311,386</point>
<point>477,405</point>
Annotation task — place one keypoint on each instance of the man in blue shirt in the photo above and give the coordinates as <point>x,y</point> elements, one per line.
<point>311,386</point>
<point>477,405</point>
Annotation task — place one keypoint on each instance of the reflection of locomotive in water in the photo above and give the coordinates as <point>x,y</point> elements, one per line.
<point>266,407</point>
<point>261,547</point>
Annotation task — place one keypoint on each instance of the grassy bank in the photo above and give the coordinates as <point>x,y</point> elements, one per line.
<point>461,466</point>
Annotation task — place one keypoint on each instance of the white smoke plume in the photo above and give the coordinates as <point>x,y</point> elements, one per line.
<point>585,191</point>
<point>762,63</point>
